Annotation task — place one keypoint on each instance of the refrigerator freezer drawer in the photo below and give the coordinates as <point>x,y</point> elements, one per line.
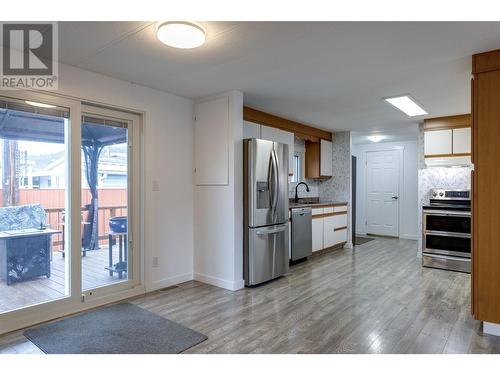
<point>266,257</point>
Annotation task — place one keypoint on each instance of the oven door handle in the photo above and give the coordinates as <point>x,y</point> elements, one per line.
<point>447,234</point>
<point>446,213</point>
<point>449,257</point>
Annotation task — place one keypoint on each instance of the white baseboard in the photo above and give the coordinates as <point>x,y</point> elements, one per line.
<point>169,281</point>
<point>491,328</point>
<point>348,245</point>
<point>409,237</point>
<point>221,283</point>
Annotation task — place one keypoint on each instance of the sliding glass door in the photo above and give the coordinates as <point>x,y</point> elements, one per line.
<point>69,206</point>
<point>108,251</point>
<point>33,202</point>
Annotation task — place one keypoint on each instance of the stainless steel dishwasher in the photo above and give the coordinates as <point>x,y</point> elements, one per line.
<point>301,232</point>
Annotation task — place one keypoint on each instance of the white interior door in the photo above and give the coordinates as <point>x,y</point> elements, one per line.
<point>382,192</point>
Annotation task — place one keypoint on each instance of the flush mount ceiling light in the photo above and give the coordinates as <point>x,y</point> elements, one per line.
<point>407,105</point>
<point>42,105</point>
<point>375,138</point>
<point>181,34</point>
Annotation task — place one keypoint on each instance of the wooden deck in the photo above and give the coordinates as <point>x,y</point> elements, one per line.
<point>45,289</point>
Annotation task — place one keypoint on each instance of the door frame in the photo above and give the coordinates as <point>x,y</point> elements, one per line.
<point>75,301</point>
<point>134,276</point>
<point>400,183</point>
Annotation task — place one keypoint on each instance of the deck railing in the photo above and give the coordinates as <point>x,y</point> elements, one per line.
<point>55,219</point>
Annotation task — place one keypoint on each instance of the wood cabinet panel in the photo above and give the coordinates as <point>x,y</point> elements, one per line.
<point>319,159</point>
<point>486,205</point>
<point>301,130</point>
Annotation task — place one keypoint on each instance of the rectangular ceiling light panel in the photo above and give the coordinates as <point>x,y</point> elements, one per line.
<point>407,105</point>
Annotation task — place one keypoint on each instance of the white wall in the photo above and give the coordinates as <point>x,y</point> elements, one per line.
<point>218,212</point>
<point>168,141</point>
<point>408,210</point>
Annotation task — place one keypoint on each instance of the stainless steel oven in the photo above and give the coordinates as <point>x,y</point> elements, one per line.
<point>446,237</point>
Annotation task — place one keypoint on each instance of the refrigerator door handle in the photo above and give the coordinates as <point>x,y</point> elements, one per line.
<point>270,182</point>
<point>276,183</point>
<point>271,231</point>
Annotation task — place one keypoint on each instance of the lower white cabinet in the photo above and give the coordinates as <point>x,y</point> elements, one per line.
<point>317,234</point>
<point>340,235</point>
<point>329,229</point>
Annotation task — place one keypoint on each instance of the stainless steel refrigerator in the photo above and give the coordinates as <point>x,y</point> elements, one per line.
<point>265,199</point>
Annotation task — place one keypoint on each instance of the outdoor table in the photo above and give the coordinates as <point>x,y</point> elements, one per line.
<point>25,253</point>
<point>121,266</point>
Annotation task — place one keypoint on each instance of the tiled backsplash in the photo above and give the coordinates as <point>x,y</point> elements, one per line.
<point>337,188</point>
<point>313,189</point>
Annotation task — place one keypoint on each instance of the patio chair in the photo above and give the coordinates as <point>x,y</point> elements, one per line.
<point>86,234</point>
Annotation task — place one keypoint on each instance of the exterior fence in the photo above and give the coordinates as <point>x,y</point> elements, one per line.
<point>112,202</point>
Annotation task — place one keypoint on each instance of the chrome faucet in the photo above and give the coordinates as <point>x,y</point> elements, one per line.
<point>296,195</point>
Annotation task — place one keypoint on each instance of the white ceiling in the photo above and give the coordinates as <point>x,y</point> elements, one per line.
<point>332,75</point>
<point>408,132</point>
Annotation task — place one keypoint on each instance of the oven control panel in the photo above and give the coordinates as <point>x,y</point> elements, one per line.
<point>450,194</point>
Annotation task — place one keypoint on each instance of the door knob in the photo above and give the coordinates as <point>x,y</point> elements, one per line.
<point>395,197</point>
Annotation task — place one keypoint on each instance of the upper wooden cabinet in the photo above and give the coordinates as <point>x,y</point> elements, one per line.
<point>485,183</point>
<point>447,136</point>
<point>319,159</point>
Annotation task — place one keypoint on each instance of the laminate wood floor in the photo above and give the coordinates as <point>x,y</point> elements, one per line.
<point>375,298</point>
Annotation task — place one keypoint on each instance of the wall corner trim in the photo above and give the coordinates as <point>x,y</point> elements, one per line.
<point>221,283</point>
<point>169,281</point>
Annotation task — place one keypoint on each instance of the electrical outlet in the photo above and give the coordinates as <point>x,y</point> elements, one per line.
<point>155,262</point>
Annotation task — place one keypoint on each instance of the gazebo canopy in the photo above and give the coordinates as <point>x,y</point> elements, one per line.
<point>22,122</point>
<point>26,126</point>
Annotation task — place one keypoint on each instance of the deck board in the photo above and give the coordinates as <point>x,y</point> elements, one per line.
<point>44,289</point>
